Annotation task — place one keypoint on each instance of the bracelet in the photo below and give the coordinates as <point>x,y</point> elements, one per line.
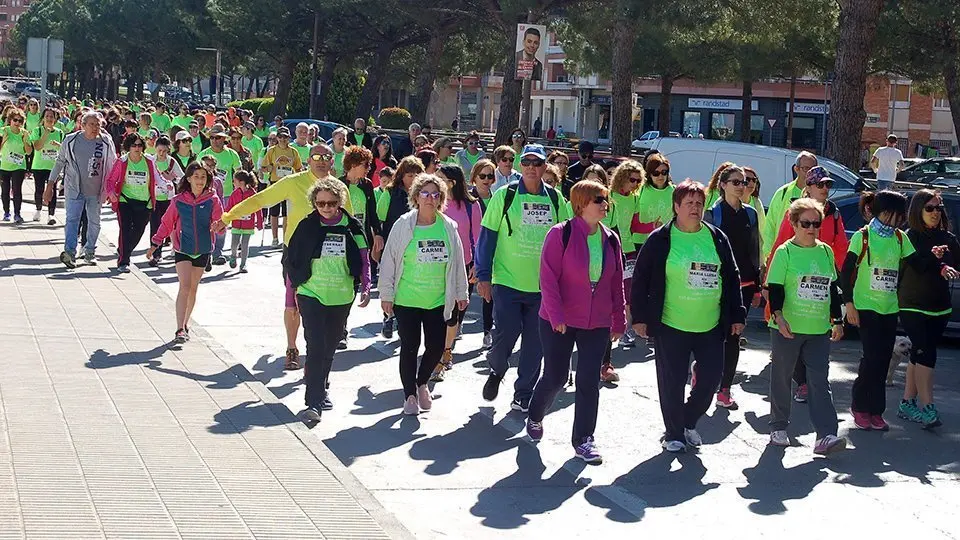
<point>837,322</point>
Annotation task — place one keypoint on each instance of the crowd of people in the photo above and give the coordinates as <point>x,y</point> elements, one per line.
<point>561,255</point>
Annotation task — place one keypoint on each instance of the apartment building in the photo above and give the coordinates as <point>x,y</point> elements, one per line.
<point>10,11</point>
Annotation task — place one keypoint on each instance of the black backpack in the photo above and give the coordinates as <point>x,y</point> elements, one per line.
<point>512,194</point>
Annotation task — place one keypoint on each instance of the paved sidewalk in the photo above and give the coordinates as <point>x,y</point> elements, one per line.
<point>106,431</point>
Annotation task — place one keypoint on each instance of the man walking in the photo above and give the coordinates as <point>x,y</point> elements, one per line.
<point>887,161</point>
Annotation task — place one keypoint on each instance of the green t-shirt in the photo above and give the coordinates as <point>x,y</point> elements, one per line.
<point>160,122</point>
<point>806,274</point>
<point>691,300</point>
<point>330,280</point>
<point>337,164</point>
<point>655,206</point>
<point>712,197</point>
<point>304,151</point>
<point>182,121</point>
<point>136,184</point>
<point>196,145</point>
<point>263,132</point>
<point>32,121</point>
<point>12,154</point>
<point>44,158</point>
<point>359,201</point>
<point>878,275</point>
<point>359,138</point>
<point>134,107</point>
<point>595,246</point>
<point>162,167</point>
<point>144,132</point>
<point>254,145</point>
<point>623,209</point>
<point>473,159</point>
<point>782,197</point>
<point>423,282</point>
<point>228,161</point>
<point>516,262</point>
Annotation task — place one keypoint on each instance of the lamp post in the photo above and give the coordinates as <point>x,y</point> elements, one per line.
<point>218,71</point>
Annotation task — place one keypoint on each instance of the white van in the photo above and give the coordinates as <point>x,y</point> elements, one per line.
<point>698,159</point>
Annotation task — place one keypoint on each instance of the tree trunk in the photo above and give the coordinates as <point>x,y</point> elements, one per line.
<point>375,75</point>
<point>621,102</point>
<point>666,87</point>
<point>858,30</point>
<point>746,112</point>
<point>509,97</point>
<point>951,79</point>
<point>793,99</point>
<point>327,73</point>
<point>233,86</point>
<point>249,91</point>
<point>427,78</point>
<point>288,65</point>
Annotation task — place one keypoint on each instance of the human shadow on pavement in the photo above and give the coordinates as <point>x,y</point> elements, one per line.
<point>349,359</point>
<point>368,403</point>
<point>799,421</point>
<point>250,414</point>
<point>507,503</point>
<point>223,380</point>
<point>388,433</point>
<point>479,438</point>
<point>101,359</point>
<point>714,429</point>
<point>769,483</point>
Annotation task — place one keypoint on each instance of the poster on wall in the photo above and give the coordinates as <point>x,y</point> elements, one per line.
<point>530,54</point>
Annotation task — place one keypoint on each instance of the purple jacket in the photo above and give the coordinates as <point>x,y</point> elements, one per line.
<point>565,280</point>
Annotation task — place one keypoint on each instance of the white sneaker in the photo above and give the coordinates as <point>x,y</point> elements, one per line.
<point>829,445</point>
<point>36,216</point>
<point>487,340</point>
<point>779,438</point>
<point>276,242</point>
<point>411,407</point>
<point>693,438</point>
<point>673,446</point>
<point>629,338</point>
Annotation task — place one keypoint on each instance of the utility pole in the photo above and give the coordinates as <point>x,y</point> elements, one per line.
<point>219,82</point>
<point>313,63</point>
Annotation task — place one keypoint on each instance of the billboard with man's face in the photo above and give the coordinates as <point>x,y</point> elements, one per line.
<point>531,51</point>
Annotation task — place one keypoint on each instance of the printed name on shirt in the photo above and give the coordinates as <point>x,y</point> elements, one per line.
<point>814,288</point>
<point>432,251</point>
<point>703,276</point>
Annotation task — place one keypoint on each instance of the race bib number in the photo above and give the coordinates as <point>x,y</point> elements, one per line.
<point>703,276</point>
<point>432,251</point>
<point>628,268</point>
<point>220,174</point>
<point>334,245</point>
<point>884,280</point>
<point>284,171</point>
<point>138,178</point>
<point>49,154</point>
<point>814,288</point>
<point>536,214</point>
<point>16,159</point>
<point>359,216</point>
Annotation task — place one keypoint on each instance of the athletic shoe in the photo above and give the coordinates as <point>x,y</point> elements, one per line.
<point>18,220</point>
<point>800,396</point>
<point>779,438</point>
<point>908,410</point>
<point>68,260</point>
<point>534,430</point>
<point>878,423</point>
<point>437,375</point>
<point>743,343</point>
<point>629,338</point>
<point>220,261</point>
<point>487,340</point>
<point>861,420</point>
<point>423,398</point>
<point>37,216</point>
<point>447,359</point>
<point>90,258</point>
<point>387,328</point>
<point>930,417</point>
<point>693,438</point>
<point>492,387</point>
<point>6,216</point>
<point>312,414</point>
<point>725,401</point>
<point>326,404</point>
<point>180,336</point>
<point>673,447</point>
<point>342,346</point>
<point>588,452</point>
<point>209,266</point>
<point>123,269</point>
<point>829,445</point>
<point>411,407</point>
<point>153,261</point>
<point>276,242</point>
<point>608,374</point>
<point>243,270</point>
<point>51,221</point>
<point>522,405</point>
<point>233,262</point>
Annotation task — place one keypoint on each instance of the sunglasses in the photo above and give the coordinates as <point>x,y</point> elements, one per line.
<point>930,208</point>
<point>635,180</point>
<point>321,157</point>
<point>825,184</point>
<point>751,180</point>
<point>16,120</point>
<point>384,143</point>
<point>662,172</point>
<point>473,143</point>
<point>600,199</point>
<point>808,224</point>
<point>136,145</point>
<point>327,204</point>
<point>736,182</point>
<point>506,159</point>
<point>531,162</point>
<point>483,176</point>
<point>517,136</point>
<point>435,195</point>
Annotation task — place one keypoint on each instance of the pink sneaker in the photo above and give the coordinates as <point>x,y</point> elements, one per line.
<point>878,423</point>
<point>861,420</point>
<point>724,400</point>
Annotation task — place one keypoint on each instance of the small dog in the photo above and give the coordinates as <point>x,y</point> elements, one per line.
<point>902,348</point>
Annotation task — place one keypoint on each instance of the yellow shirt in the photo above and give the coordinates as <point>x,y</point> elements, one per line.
<point>292,189</point>
<point>281,162</point>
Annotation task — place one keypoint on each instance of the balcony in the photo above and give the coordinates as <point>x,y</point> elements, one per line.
<point>557,85</point>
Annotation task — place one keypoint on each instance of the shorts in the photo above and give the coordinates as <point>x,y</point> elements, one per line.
<point>279,210</point>
<point>290,294</point>
<point>197,262</point>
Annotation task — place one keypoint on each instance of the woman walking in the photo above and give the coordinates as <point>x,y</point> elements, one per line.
<point>14,147</point>
<point>806,317</point>
<point>581,283</point>
<point>45,141</point>
<point>422,281</point>
<point>170,173</point>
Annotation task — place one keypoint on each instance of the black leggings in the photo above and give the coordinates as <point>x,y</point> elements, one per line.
<point>156,215</point>
<point>40,179</point>
<point>12,181</point>
<point>731,344</point>
<point>410,321</point>
<point>321,330</point>
<point>134,217</point>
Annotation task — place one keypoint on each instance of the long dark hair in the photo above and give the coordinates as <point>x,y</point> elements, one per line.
<point>184,184</point>
<point>915,213</point>
<point>459,190</point>
<point>131,139</point>
<point>376,148</point>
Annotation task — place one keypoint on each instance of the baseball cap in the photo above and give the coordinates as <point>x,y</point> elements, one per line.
<point>534,150</point>
<point>816,174</point>
<point>585,147</point>
<point>183,135</point>
<point>217,131</point>
<point>249,125</point>
<point>284,131</point>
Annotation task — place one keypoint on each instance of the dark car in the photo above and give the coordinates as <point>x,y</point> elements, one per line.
<point>853,221</point>
<point>325,128</point>
<point>938,170</point>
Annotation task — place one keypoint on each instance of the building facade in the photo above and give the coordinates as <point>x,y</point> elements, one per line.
<point>10,11</point>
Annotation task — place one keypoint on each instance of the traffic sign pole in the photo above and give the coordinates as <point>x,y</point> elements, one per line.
<point>772,122</point>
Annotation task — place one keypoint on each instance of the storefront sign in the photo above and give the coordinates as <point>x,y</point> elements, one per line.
<point>719,103</point>
<point>806,108</point>
<point>602,100</point>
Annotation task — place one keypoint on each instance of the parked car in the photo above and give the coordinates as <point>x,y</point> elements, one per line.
<point>34,92</point>
<point>931,170</point>
<point>644,141</point>
<point>325,128</point>
<point>699,158</point>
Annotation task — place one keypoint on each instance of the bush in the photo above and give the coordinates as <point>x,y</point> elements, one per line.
<point>394,118</point>
<point>259,106</point>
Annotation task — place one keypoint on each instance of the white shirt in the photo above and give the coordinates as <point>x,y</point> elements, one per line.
<point>887,158</point>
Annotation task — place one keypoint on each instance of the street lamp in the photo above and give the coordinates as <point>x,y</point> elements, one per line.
<point>218,71</point>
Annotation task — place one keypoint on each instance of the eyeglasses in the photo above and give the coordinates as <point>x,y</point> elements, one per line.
<point>808,224</point>
<point>661,172</point>
<point>531,162</point>
<point>321,157</point>
<point>435,195</point>
<point>600,199</point>
<point>930,208</point>
<point>473,143</point>
<point>736,182</point>
<point>825,184</point>
<point>506,159</point>
<point>635,180</point>
<point>327,204</point>
<point>483,176</point>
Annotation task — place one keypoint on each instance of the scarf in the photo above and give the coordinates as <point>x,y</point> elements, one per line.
<point>883,231</point>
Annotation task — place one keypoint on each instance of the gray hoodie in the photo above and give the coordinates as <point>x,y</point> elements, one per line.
<point>80,167</point>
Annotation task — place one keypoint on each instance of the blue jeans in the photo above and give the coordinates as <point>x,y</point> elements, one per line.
<point>516,314</point>
<point>75,203</point>
<point>218,243</point>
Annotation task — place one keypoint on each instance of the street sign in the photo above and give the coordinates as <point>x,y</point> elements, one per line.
<point>36,47</point>
<point>772,121</point>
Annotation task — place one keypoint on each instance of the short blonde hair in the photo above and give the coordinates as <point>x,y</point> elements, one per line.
<point>420,182</point>
<point>330,185</point>
<point>583,192</point>
<point>621,175</point>
<point>555,171</point>
<point>478,168</point>
<point>799,206</point>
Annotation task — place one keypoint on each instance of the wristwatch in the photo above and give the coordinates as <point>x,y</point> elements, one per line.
<point>837,322</point>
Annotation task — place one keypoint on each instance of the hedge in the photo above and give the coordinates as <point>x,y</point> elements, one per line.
<point>394,118</point>
<point>259,106</point>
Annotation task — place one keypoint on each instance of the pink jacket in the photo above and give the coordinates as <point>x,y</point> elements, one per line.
<point>565,280</point>
<point>468,226</point>
<point>252,221</point>
<point>118,175</point>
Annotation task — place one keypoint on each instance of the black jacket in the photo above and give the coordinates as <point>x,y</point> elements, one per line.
<point>306,244</point>
<point>650,280</point>
<point>921,285</point>
<point>743,231</point>
<point>371,225</point>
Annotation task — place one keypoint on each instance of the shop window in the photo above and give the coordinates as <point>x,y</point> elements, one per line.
<point>757,122</point>
<point>900,92</point>
<point>722,126</point>
<point>805,132</point>
<point>691,123</point>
